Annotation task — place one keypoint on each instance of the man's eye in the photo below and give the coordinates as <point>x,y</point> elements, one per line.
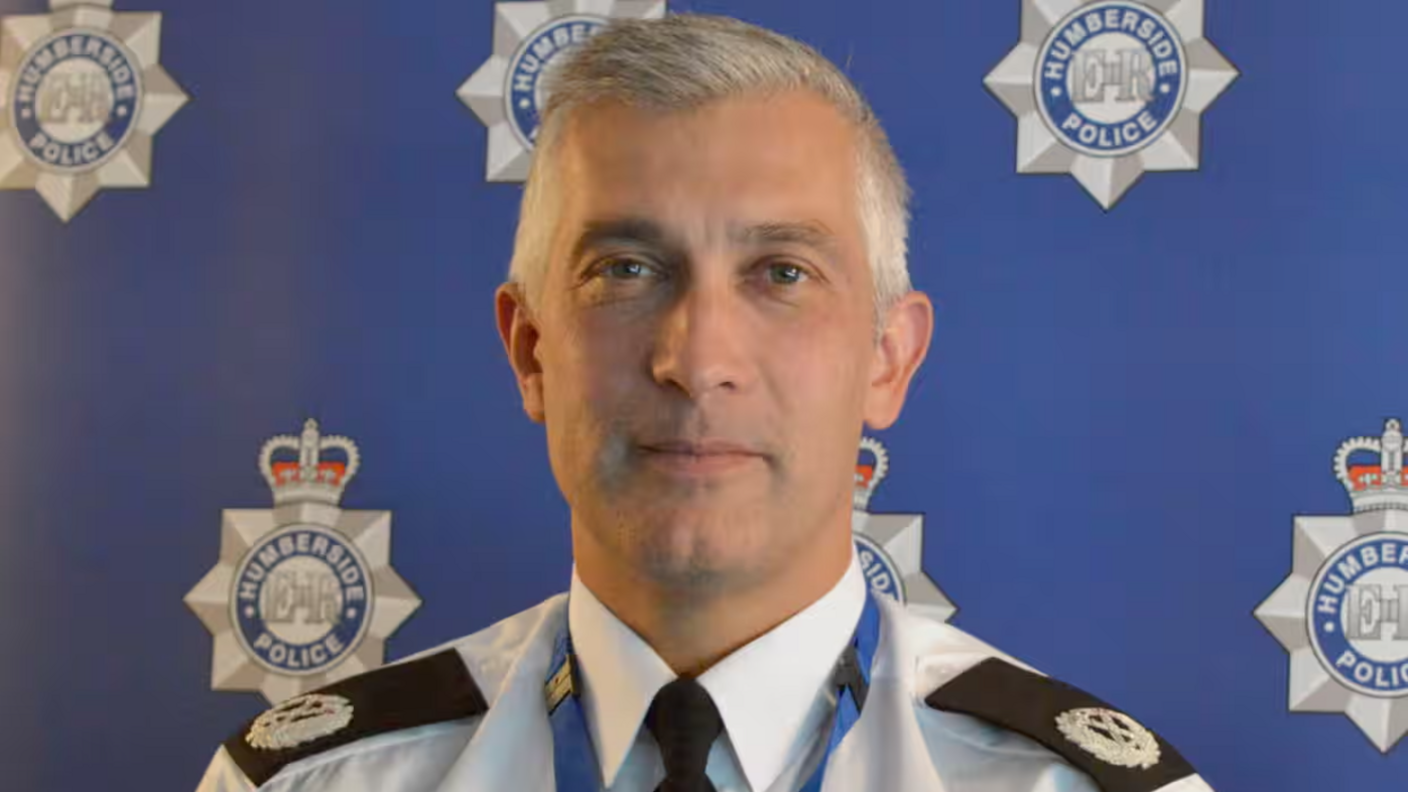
<point>624,269</point>
<point>782,273</point>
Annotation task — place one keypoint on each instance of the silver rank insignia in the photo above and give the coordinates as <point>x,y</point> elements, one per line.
<point>1342,613</point>
<point>507,90</point>
<point>891,546</point>
<point>299,720</point>
<point>81,97</point>
<point>1110,736</point>
<point>304,593</point>
<point>1107,89</point>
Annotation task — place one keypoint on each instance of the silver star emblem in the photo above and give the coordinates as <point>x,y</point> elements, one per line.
<point>1342,612</point>
<point>1384,717</point>
<point>890,547</point>
<point>285,575</point>
<point>1110,128</point>
<point>506,93</point>
<point>67,159</point>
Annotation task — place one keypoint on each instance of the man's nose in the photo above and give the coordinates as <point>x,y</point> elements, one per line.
<point>701,345</point>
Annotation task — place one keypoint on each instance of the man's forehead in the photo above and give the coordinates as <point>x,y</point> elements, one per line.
<point>753,168</point>
<point>605,139</point>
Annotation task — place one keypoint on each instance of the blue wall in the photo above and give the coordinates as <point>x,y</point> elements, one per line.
<point>1120,415</point>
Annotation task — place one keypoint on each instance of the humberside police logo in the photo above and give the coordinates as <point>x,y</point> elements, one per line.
<point>1342,613</point>
<point>303,594</point>
<point>529,39</point>
<point>81,96</point>
<point>1107,89</point>
<point>891,546</point>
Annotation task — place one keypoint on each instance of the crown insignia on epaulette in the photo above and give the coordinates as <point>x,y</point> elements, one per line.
<point>869,473</point>
<point>1373,487</point>
<point>311,478</point>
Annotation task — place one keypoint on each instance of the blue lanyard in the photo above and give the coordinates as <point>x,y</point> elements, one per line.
<point>574,761</point>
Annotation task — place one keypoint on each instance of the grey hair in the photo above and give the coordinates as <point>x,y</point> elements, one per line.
<point>683,61</point>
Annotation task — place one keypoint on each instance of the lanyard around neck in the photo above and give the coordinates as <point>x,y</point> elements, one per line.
<point>574,761</point>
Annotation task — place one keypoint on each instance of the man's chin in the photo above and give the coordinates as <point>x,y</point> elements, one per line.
<point>726,558</point>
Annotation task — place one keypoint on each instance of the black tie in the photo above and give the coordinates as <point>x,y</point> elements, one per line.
<point>684,722</point>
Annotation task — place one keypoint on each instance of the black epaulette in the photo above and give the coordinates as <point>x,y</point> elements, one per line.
<point>1109,746</point>
<point>430,690</point>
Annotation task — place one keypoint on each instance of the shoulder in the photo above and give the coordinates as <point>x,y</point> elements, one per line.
<point>976,701</point>
<point>404,721</point>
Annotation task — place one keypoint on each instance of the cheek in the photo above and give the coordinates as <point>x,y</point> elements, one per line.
<point>605,362</point>
<point>589,374</point>
<point>819,371</point>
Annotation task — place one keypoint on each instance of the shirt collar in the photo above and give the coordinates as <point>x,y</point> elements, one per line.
<point>766,691</point>
<point>620,675</point>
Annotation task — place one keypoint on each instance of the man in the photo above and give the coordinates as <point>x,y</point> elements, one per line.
<point>708,300</point>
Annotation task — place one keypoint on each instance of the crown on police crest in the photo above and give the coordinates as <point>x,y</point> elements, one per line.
<point>869,472</point>
<point>311,478</point>
<point>1377,485</point>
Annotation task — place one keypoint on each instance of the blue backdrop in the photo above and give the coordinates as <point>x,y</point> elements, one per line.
<point>1121,413</point>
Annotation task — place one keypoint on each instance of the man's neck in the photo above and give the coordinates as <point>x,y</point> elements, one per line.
<point>692,626</point>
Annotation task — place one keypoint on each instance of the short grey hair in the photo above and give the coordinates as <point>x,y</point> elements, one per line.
<point>680,62</point>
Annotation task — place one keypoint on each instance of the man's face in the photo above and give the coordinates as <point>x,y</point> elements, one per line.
<point>702,346</point>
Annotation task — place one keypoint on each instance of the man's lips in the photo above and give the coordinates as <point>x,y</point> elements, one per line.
<point>699,457</point>
<point>700,448</point>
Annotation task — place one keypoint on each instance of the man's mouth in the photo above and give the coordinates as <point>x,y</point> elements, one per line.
<point>696,458</point>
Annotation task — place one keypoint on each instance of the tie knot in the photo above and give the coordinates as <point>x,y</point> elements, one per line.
<point>684,722</point>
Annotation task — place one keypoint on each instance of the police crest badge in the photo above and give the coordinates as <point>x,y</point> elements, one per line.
<point>82,94</point>
<point>1106,90</point>
<point>506,92</point>
<point>1342,613</point>
<point>891,546</point>
<point>304,593</point>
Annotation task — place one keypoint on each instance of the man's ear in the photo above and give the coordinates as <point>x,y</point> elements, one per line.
<point>519,332</point>
<point>909,327</point>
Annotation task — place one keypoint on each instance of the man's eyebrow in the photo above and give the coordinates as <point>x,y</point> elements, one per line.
<point>642,232</point>
<point>625,230</point>
<point>809,233</point>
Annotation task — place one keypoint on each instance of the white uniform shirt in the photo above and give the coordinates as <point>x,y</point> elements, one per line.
<point>773,695</point>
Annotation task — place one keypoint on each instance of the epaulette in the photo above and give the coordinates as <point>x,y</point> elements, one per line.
<point>1109,746</point>
<point>430,690</point>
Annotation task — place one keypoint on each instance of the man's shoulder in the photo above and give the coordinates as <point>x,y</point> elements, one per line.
<point>491,653</point>
<point>977,704</point>
<point>390,728</point>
